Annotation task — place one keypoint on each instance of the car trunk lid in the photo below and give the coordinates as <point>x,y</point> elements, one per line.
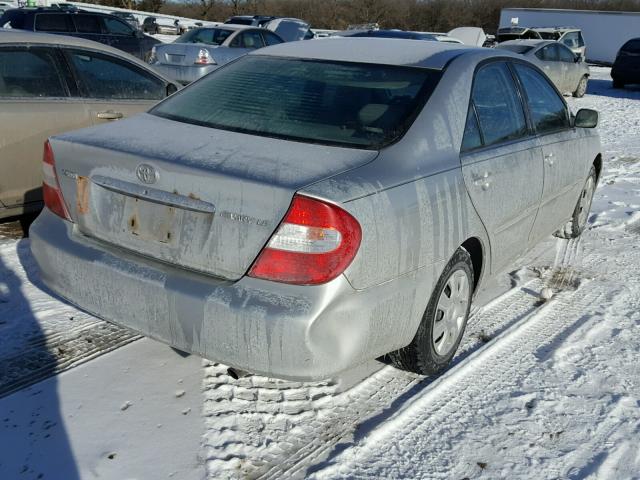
<point>196,197</point>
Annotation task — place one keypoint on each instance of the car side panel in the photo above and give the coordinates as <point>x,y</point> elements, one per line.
<point>505,185</point>
<point>27,123</point>
<point>567,156</point>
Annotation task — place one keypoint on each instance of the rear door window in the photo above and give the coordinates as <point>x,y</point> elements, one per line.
<point>498,105</point>
<point>548,53</point>
<point>115,26</point>
<point>53,22</point>
<point>30,72</point>
<point>546,107</point>
<point>87,24</point>
<point>271,38</point>
<point>566,55</point>
<point>106,77</point>
<point>251,39</point>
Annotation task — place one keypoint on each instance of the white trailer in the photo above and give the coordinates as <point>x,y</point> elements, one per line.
<point>604,32</point>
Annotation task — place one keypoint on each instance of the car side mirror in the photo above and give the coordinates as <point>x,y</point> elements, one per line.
<point>577,58</point>
<point>586,118</point>
<point>138,33</point>
<point>171,89</point>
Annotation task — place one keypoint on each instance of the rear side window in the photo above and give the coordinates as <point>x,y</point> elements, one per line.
<point>115,26</point>
<point>87,23</point>
<point>29,73</point>
<point>498,105</point>
<point>548,53</point>
<point>472,138</point>
<point>106,77</point>
<point>53,22</point>
<point>566,55</point>
<point>335,103</point>
<point>548,111</point>
<point>271,38</point>
<point>251,39</point>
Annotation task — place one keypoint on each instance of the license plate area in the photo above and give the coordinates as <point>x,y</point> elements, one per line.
<point>152,221</point>
<point>172,58</point>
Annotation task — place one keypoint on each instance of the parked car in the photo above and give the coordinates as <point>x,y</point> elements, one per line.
<point>400,34</point>
<point>315,205</point>
<point>250,20</point>
<point>127,17</point>
<point>566,70</point>
<point>626,68</point>
<point>157,25</point>
<point>50,84</point>
<point>569,36</point>
<point>99,27</point>
<point>203,50</point>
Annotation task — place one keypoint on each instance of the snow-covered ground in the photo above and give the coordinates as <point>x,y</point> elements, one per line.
<point>539,389</point>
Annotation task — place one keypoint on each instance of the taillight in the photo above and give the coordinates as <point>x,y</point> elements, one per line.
<point>204,58</point>
<point>315,243</point>
<point>51,192</point>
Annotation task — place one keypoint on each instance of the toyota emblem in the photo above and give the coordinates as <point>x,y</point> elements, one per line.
<point>146,173</point>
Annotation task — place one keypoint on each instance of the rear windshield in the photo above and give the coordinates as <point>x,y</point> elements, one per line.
<point>632,46</point>
<point>522,49</point>
<point>549,35</point>
<point>210,36</point>
<point>335,103</point>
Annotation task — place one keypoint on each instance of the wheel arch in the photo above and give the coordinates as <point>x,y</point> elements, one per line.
<point>474,247</point>
<point>597,162</point>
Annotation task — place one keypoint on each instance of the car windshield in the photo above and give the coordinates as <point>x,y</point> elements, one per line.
<point>210,36</point>
<point>334,103</point>
<point>522,49</point>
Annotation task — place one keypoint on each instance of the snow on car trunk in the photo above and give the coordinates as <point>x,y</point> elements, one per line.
<point>197,197</point>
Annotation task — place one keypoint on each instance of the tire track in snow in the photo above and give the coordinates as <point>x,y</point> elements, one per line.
<point>255,435</point>
<point>425,421</point>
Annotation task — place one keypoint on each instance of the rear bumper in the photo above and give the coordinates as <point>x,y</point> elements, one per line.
<point>287,331</point>
<point>184,74</point>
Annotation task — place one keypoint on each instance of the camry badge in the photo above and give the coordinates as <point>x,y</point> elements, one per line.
<point>146,174</point>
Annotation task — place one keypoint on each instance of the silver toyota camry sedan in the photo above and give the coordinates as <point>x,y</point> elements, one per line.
<point>568,71</point>
<point>315,205</point>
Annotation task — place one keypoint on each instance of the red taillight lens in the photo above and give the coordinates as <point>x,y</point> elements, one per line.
<point>315,243</point>
<point>204,58</point>
<point>51,192</point>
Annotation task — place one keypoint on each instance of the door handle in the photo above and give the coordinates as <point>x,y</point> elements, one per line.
<point>109,115</point>
<point>483,181</point>
<point>548,157</point>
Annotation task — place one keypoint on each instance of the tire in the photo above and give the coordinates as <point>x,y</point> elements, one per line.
<point>574,227</point>
<point>425,354</point>
<point>618,83</point>
<point>581,89</point>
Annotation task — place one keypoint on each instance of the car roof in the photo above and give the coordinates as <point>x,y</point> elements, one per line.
<point>555,29</point>
<point>378,51</point>
<point>13,36</point>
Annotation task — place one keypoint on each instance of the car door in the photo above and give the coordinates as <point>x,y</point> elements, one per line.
<point>35,103</point>
<point>563,160</point>
<point>113,87</point>
<point>501,163</point>
<point>551,65</point>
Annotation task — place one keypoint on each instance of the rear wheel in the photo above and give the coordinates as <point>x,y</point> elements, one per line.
<point>574,227</point>
<point>443,322</point>
<point>581,89</point>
